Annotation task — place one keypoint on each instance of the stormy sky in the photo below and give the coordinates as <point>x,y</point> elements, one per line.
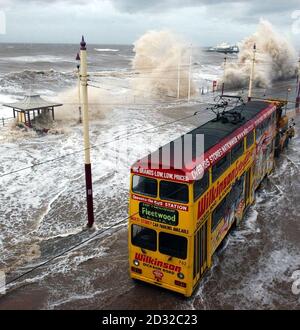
<point>203,22</point>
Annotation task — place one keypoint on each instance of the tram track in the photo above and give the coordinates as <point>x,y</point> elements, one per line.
<point>14,283</point>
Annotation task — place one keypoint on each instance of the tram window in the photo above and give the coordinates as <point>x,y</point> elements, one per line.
<point>273,117</point>
<point>201,185</point>
<point>250,139</point>
<point>173,191</point>
<point>259,131</point>
<point>218,214</point>
<point>221,166</point>
<point>143,237</point>
<point>173,245</point>
<point>237,151</point>
<point>236,191</point>
<point>257,135</point>
<point>144,186</point>
<point>264,126</point>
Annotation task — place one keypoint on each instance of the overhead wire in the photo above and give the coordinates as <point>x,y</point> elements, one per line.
<point>73,247</point>
<point>93,146</point>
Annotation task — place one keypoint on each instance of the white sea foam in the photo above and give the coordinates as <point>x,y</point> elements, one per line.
<point>157,56</point>
<point>48,201</point>
<point>106,50</point>
<point>275,267</point>
<point>34,59</point>
<point>35,202</point>
<point>71,298</point>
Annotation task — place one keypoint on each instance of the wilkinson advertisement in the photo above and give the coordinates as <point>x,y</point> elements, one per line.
<point>216,191</point>
<point>157,264</point>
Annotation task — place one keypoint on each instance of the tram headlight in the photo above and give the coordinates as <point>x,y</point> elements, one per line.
<point>136,262</point>
<point>180,276</point>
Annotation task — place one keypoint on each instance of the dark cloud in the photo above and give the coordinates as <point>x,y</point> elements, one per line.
<point>240,11</point>
<point>133,6</point>
<point>210,21</point>
<point>273,7</point>
<point>255,6</point>
<point>157,5</point>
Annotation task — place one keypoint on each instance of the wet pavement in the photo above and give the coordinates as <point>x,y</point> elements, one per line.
<point>253,269</point>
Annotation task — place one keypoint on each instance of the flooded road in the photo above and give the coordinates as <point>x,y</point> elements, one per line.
<point>253,269</point>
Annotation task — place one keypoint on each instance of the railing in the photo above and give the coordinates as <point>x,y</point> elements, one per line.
<point>4,121</point>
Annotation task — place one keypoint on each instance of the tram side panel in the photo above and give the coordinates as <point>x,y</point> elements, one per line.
<point>264,159</point>
<point>221,205</point>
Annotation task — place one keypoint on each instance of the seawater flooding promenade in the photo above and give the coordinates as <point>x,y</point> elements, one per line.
<point>104,258</point>
<point>140,97</point>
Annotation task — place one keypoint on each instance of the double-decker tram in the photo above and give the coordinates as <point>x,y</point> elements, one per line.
<point>179,215</point>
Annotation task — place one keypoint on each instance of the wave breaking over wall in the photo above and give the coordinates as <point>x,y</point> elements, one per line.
<point>157,54</point>
<point>99,103</point>
<point>276,59</point>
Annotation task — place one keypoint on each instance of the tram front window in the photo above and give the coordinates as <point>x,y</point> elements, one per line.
<point>175,192</point>
<point>144,186</point>
<point>143,237</point>
<point>173,245</point>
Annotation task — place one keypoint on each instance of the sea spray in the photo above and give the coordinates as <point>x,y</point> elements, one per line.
<point>276,59</point>
<point>66,116</point>
<point>157,55</point>
<point>99,102</point>
<point>14,133</point>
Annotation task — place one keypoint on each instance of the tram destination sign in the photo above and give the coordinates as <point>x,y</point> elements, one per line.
<point>158,214</point>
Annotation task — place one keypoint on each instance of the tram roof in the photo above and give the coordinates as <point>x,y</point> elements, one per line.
<point>215,132</point>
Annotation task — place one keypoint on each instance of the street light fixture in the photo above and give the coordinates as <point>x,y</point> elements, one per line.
<point>79,95</point>
<point>287,98</point>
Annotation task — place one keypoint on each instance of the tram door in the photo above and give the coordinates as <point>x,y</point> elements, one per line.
<point>200,252</point>
<point>247,187</point>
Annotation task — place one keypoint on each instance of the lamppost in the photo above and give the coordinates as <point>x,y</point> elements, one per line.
<point>79,94</point>
<point>287,98</point>
<point>224,71</point>
<point>297,104</point>
<point>88,166</point>
<point>190,74</point>
<point>252,74</point>
<point>178,76</point>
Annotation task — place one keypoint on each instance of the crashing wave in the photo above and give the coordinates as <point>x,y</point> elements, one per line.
<point>18,83</point>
